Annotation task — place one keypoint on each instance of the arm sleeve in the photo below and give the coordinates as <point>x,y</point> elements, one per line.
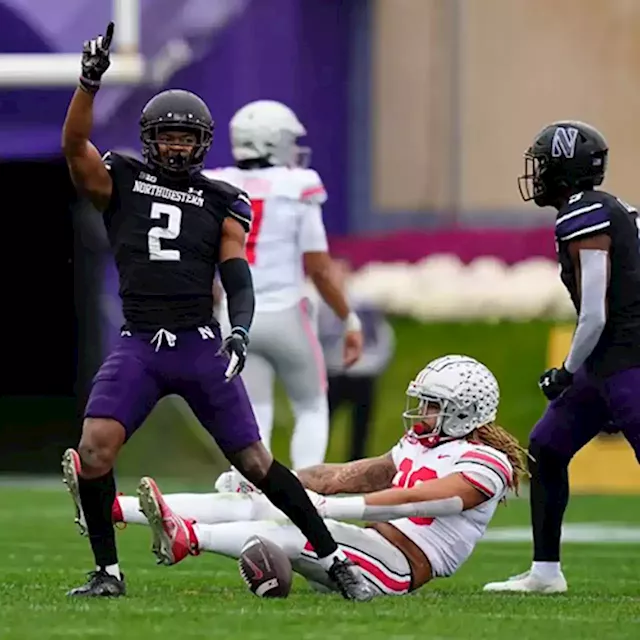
<point>238,285</point>
<point>583,221</point>
<point>593,307</point>
<point>486,469</point>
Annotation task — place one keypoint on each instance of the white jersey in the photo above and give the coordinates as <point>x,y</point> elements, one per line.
<point>448,541</point>
<point>287,222</point>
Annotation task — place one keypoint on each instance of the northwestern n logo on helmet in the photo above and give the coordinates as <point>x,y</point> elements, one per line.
<point>564,142</point>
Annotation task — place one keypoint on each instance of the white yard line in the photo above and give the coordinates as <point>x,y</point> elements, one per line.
<point>584,532</point>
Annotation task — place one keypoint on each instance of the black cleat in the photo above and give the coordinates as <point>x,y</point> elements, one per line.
<point>350,582</point>
<point>100,584</point>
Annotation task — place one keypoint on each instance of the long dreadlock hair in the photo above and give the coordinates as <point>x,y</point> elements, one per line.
<point>495,436</point>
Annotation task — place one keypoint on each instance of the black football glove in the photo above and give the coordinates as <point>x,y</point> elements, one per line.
<point>235,347</point>
<point>554,382</point>
<point>95,60</point>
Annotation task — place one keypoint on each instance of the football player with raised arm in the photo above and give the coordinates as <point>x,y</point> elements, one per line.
<point>171,229</point>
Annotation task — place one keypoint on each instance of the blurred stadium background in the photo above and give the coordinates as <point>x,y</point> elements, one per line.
<point>418,112</point>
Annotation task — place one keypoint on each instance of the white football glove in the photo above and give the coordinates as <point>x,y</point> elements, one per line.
<point>233,481</point>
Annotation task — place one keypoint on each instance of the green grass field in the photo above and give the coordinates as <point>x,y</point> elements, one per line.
<point>204,597</point>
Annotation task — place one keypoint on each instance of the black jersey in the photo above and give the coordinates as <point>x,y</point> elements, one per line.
<point>591,213</point>
<point>165,236</point>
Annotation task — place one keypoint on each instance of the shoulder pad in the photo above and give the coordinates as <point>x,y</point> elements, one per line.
<point>237,202</point>
<point>110,159</point>
<point>114,161</point>
<point>312,190</point>
<point>122,167</point>
<point>489,458</point>
<point>585,214</point>
<point>240,209</point>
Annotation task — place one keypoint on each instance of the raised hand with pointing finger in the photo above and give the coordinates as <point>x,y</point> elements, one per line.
<point>95,60</point>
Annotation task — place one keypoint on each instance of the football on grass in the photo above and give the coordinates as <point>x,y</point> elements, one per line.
<point>265,568</point>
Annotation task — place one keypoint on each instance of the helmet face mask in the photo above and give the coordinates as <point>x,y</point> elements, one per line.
<point>430,417</point>
<point>176,130</point>
<point>531,183</point>
<point>175,150</point>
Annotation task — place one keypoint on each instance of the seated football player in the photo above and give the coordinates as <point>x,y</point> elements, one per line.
<point>428,501</point>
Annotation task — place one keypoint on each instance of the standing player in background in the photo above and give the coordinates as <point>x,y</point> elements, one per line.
<point>355,386</point>
<point>599,382</point>
<point>287,240</point>
<point>171,229</point>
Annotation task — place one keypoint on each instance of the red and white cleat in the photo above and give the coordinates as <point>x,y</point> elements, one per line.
<point>173,537</point>
<point>71,466</point>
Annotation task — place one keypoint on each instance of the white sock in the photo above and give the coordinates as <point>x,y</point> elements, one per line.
<point>311,433</point>
<point>229,538</point>
<point>327,561</point>
<point>113,570</point>
<point>208,508</point>
<point>130,508</point>
<point>546,570</point>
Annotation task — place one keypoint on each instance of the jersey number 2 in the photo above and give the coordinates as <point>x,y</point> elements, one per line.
<point>170,232</point>
<point>407,478</point>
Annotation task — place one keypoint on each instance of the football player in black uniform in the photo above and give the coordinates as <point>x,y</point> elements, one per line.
<point>170,229</point>
<point>598,386</point>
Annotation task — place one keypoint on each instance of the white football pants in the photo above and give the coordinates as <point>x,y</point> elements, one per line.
<point>284,344</point>
<point>224,522</point>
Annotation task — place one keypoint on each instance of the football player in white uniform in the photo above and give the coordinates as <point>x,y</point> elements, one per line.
<point>287,240</point>
<point>429,500</point>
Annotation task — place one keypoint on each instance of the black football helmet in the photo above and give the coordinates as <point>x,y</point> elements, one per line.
<point>566,157</point>
<point>176,110</point>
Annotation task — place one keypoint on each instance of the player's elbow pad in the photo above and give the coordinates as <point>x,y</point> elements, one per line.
<point>238,285</point>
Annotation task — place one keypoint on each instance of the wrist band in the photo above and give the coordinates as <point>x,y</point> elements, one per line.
<point>353,323</point>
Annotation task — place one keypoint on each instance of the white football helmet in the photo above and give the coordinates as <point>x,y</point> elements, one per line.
<point>460,392</point>
<point>270,130</point>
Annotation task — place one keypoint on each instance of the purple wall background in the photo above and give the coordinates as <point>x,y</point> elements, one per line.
<point>315,55</point>
<point>296,51</point>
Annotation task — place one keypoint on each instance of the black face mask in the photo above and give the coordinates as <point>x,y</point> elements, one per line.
<point>176,163</point>
<point>536,182</point>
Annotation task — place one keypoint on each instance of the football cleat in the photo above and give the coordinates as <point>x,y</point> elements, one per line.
<point>70,469</point>
<point>173,537</point>
<point>350,582</point>
<point>100,584</point>
<point>529,582</point>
